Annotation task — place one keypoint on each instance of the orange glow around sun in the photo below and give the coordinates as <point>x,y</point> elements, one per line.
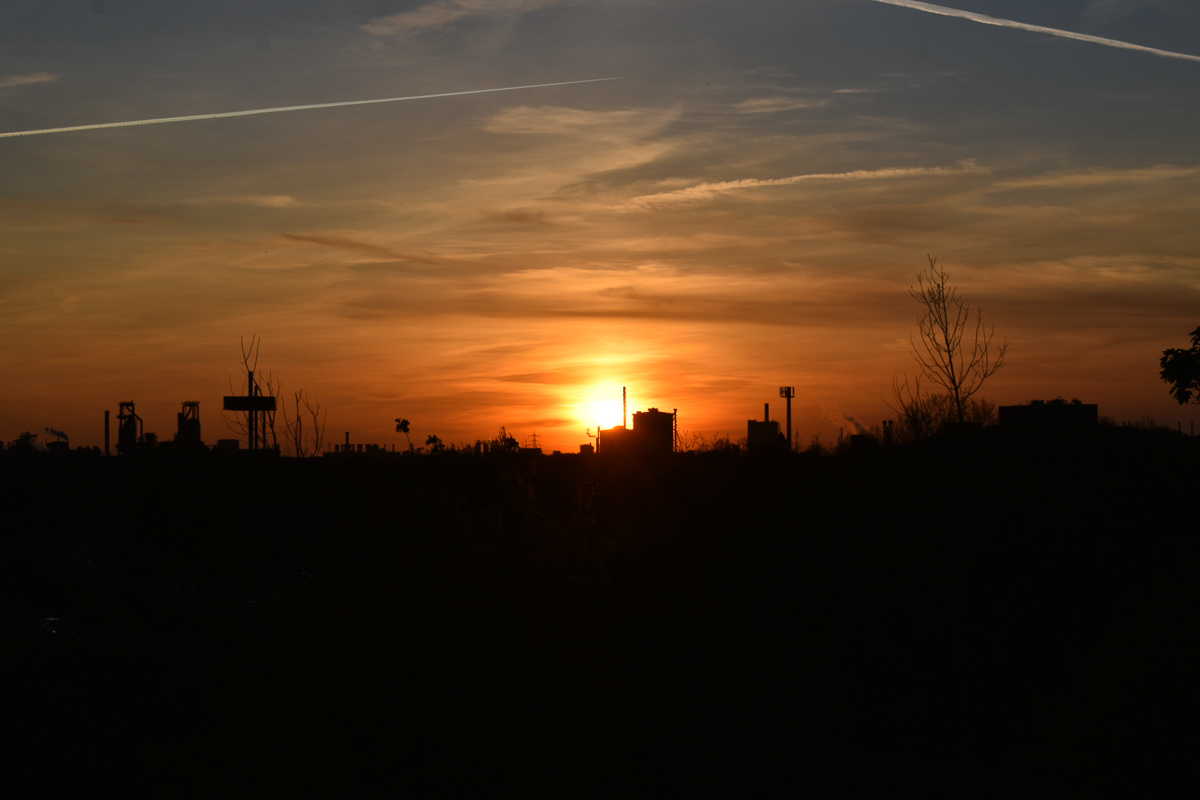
<point>599,406</point>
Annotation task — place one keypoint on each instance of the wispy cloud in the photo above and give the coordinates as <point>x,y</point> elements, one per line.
<point>930,8</point>
<point>707,191</point>
<point>557,377</point>
<point>566,152</point>
<point>353,245</point>
<point>562,120</point>
<point>519,217</point>
<point>62,215</point>
<point>264,200</point>
<point>1099,177</point>
<point>439,13</point>
<point>21,80</point>
<point>764,105</point>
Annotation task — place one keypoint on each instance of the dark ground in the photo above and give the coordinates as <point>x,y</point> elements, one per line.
<point>967,619</point>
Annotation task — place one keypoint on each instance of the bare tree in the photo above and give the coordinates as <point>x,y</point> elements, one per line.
<point>919,414</point>
<point>954,349</point>
<point>239,423</point>
<point>691,441</point>
<point>305,428</point>
<point>924,414</point>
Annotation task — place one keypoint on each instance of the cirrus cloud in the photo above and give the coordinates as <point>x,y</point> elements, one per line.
<point>441,12</point>
<point>707,191</point>
<point>21,80</point>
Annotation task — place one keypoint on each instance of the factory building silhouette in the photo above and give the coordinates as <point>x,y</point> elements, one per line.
<point>1045,416</point>
<point>653,433</point>
<point>765,436</point>
<point>132,437</point>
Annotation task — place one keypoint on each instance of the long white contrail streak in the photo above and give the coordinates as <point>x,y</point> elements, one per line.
<point>253,111</point>
<point>1008,23</point>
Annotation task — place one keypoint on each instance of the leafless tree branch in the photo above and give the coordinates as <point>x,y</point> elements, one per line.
<point>304,429</point>
<point>954,348</point>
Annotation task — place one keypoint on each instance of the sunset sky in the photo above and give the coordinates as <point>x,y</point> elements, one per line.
<point>744,209</point>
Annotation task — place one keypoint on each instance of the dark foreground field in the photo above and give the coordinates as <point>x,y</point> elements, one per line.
<point>970,619</point>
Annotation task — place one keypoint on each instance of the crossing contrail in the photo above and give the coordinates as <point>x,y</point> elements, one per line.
<point>1008,23</point>
<point>253,111</point>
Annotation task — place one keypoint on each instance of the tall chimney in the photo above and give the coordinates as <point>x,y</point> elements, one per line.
<point>624,416</point>
<point>766,412</point>
<point>106,434</point>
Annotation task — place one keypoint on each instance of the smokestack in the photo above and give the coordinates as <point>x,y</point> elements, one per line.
<point>624,415</point>
<point>106,435</point>
<point>766,412</point>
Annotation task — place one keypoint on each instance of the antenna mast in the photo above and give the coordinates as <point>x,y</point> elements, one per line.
<point>788,392</point>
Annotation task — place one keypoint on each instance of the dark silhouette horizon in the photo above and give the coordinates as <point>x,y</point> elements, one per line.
<point>958,617</point>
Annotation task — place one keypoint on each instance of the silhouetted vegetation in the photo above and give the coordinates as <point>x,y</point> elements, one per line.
<point>920,415</point>
<point>255,418</point>
<point>583,626</point>
<point>955,350</point>
<point>1181,369</point>
<point>402,426</point>
<point>305,426</point>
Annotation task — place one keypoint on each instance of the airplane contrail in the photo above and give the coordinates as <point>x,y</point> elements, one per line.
<point>253,111</point>
<point>1008,23</point>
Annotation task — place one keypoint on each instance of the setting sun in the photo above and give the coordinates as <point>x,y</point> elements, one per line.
<point>599,406</point>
